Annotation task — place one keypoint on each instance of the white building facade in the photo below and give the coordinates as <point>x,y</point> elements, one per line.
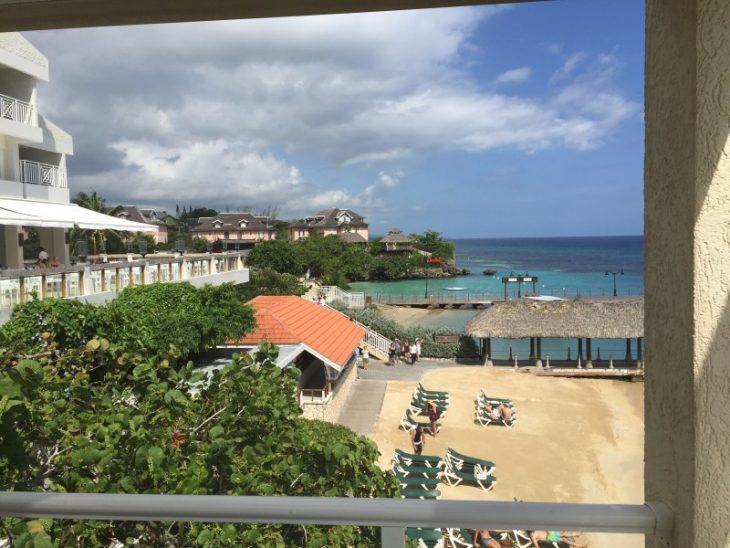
<point>32,150</point>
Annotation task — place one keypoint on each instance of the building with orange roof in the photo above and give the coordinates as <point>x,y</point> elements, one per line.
<point>318,340</point>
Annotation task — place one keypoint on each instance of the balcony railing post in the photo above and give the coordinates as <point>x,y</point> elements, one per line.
<point>64,288</point>
<point>392,537</point>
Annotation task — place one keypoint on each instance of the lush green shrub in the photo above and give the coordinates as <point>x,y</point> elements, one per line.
<point>36,323</point>
<point>176,318</point>
<point>140,428</point>
<point>269,282</point>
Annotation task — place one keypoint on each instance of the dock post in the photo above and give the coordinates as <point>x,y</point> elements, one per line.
<point>580,362</point>
<point>517,366</point>
<point>547,363</point>
<point>489,362</point>
<point>589,361</point>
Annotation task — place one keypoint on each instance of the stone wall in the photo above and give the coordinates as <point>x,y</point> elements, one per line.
<point>330,411</point>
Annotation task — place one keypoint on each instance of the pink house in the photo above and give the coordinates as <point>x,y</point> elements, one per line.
<point>234,230</point>
<point>345,223</point>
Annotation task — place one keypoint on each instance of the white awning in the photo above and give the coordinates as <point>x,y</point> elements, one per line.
<point>46,214</point>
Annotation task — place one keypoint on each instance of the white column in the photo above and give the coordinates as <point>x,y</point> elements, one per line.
<point>11,253</point>
<point>687,274</point>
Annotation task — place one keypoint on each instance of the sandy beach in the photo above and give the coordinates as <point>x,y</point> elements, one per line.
<point>576,440</point>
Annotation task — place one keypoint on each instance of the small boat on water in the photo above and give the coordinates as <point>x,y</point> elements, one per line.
<point>454,288</point>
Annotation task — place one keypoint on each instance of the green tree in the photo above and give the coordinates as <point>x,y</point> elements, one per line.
<point>111,241</point>
<point>279,255</point>
<point>432,242</point>
<point>269,282</point>
<point>138,426</point>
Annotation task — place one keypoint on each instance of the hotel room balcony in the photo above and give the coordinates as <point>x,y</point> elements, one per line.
<point>39,173</point>
<point>19,119</point>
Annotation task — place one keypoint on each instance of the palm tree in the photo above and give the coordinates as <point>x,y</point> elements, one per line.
<point>98,238</point>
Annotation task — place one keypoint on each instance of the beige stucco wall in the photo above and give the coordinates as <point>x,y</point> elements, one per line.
<point>330,411</point>
<point>687,227</point>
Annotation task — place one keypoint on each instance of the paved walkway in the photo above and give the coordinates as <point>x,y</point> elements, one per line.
<point>362,408</point>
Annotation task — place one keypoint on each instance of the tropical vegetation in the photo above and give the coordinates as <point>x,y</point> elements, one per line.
<point>87,406</point>
<point>335,262</point>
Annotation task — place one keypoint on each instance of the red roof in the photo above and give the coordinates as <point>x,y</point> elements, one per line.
<point>294,320</point>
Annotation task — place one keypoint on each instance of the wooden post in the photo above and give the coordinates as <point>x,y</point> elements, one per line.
<point>44,287</point>
<point>489,346</point>
<point>532,348</point>
<point>130,282</point>
<point>539,348</point>
<point>117,281</point>
<point>589,362</point>
<point>580,348</point>
<point>21,289</point>
<point>628,350</point>
<point>639,353</point>
<point>103,280</point>
<point>64,289</point>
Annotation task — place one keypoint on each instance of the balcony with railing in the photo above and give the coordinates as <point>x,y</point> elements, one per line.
<point>17,110</point>
<point>100,282</point>
<point>39,173</point>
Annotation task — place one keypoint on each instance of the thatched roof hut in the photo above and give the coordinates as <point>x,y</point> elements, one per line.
<point>578,318</point>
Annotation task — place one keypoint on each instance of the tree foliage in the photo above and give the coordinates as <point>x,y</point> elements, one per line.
<point>269,282</point>
<point>156,319</point>
<point>432,242</point>
<point>100,419</point>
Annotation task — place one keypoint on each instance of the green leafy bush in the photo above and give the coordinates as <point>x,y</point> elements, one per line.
<point>140,427</point>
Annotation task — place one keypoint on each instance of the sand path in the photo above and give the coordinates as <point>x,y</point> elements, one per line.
<point>576,440</point>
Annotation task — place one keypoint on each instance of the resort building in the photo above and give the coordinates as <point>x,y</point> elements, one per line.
<point>33,180</point>
<point>234,230</point>
<point>345,223</point>
<point>687,268</point>
<point>318,340</point>
<point>155,218</point>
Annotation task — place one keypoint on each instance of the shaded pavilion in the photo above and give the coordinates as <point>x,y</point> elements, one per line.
<point>581,319</point>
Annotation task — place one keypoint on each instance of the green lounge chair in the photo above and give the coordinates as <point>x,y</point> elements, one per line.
<point>458,460</point>
<point>419,493</point>
<point>483,397</point>
<point>436,396</point>
<point>419,409</point>
<point>454,476</point>
<point>427,538</point>
<point>485,418</point>
<point>411,459</point>
<point>413,482</point>
<point>436,393</point>
<point>423,402</point>
<point>409,423</point>
<point>416,471</point>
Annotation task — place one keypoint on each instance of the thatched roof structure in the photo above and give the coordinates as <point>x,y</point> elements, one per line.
<point>578,318</point>
<point>395,236</point>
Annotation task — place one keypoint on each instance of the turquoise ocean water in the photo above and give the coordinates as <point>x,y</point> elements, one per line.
<point>565,267</point>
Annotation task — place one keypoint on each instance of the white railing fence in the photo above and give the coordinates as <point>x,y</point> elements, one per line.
<point>39,173</point>
<point>334,293</point>
<point>16,110</point>
<point>375,340</point>
<point>392,515</point>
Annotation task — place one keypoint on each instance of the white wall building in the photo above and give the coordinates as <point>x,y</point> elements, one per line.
<point>33,180</point>
<point>32,149</point>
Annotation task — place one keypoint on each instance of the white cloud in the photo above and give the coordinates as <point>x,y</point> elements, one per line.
<point>514,76</point>
<point>554,48</point>
<point>223,112</point>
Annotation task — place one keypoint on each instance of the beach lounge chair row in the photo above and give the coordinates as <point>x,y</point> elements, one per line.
<point>409,423</point>
<point>464,538</point>
<point>420,407</point>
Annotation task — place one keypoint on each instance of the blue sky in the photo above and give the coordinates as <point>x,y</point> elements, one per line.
<point>522,120</point>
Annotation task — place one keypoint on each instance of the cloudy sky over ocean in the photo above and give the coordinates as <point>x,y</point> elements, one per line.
<point>521,120</point>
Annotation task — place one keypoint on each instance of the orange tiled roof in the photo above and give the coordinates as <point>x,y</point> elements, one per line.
<point>293,320</point>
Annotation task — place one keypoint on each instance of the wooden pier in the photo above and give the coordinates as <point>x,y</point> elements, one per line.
<point>435,300</point>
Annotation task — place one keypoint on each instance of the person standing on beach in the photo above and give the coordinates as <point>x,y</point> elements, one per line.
<point>358,357</point>
<point>365,359</point>
<point>417,354</point>
<point>398,350</point>
<point>407,352</point>
<point>391,353</point>
<point>418,440</point>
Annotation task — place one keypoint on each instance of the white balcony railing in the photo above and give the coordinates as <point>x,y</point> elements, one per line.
<point>393,516</point>
<point>16,110</point>
<point>38,173</point>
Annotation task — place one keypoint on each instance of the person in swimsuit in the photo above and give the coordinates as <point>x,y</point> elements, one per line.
<point>433,415</point>
<point>483,539</point>
<point>418,441</point>
<point>502,411</point>
<point>566,537</point>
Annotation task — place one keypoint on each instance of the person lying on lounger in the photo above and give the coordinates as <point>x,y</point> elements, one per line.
<point>555,536</point>
<point>501,411</point>
<point>484,539</point>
